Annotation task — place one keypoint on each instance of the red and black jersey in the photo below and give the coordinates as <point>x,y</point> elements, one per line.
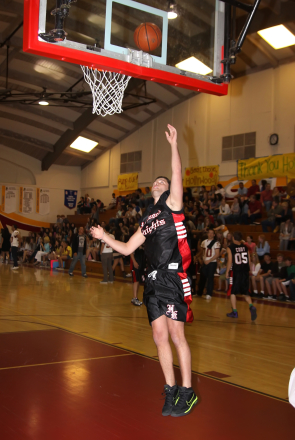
<point>166,245</point>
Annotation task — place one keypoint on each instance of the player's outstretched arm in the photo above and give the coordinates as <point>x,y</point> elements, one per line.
<point>135,241</point>
<point>229,262</point>
<point>174,201</point>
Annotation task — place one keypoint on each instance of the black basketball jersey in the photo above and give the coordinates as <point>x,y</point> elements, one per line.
<point>240,259</point>
<point>166,245</point>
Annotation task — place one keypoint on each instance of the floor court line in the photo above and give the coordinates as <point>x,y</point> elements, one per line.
<point>149,357</point>
<point>207,345</point>
<point>67,361</point>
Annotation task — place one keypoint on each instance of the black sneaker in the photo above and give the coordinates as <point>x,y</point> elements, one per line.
<point>284,298</point>
<point>171,394</point>
<point>260,295</point>
<point>274,297</point>
<point>254,295</point>
<point>185,402</point>
<point>281,296</point>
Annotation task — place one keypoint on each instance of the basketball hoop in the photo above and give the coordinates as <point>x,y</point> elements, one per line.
<point>107,90</point>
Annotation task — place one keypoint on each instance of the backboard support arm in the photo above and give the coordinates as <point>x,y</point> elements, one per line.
<point>232,47</point>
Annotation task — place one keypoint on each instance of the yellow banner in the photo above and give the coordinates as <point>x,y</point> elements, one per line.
<point>265,167</point>
<point>127,182</point>
<point>38,200</point>
<point>198,176</point>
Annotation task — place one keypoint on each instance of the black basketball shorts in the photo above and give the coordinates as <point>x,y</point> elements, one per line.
<point>168,293</point>
<point>238,283</point>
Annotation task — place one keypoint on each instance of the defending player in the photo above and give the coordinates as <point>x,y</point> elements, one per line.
<point>238,268</point>
<point>167,293</point>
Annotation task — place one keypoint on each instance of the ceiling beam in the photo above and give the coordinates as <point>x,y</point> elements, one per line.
<point>265,18</point>
<point>60,66</point>
<point>260,47</point>
<point>13,27</point>
<point>94,136</point>
<point>26,139</point>
<point>113,125</point>
<point>247,60</point>
<point>39,111</point>
<point>11,6</point>
<point>5,19</point>
<point>171,89</point>
<point>148,112</point>
<point>80,154</point>
<point>68,137</point>
<point>30,122</point>
<point>273,5</point>
<point>15,145</point>
<point>130,120</point>
<point>37,79</point>
<point>160,103</point>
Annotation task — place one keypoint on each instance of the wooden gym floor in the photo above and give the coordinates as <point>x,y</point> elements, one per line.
<point>77,361</point>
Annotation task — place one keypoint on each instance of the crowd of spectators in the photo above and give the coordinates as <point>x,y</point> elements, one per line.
<point>202,211</point>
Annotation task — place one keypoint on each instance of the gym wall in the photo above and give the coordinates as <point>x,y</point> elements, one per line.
<point>262,102</point>
<point>20,169</point>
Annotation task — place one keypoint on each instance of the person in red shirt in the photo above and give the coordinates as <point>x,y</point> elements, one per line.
<point>266,197</point>
<point>254,189</point>
<point>254,212</point>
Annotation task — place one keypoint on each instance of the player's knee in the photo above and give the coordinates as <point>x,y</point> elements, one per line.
<point>177,337</point>
<point>160,337</point>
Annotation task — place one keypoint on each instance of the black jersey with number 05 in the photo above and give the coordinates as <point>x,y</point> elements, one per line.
<point>240,259</point>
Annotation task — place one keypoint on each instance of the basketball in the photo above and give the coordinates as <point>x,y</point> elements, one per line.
<point>147,37</point>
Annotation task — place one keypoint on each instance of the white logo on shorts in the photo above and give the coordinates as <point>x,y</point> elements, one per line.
<point>171,311</point>
<point>153,274</point>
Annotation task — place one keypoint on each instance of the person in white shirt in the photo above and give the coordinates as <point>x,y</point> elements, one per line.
<point>211,249</point>
<point>136,209</point>
<point>220,190</point>
<point>113,202</point>
<point>285,234</point>
<point>224,211</point>
<point>106,255</point>
<point>15,237</point>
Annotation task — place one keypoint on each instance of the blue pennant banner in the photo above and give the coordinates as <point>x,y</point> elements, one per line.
<point>70,198</point>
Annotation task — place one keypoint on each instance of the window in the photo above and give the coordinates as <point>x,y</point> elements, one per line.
<point>239,146</point>
<point>130,162</point>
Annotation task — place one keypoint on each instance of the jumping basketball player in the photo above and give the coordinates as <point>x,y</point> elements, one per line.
<point>167,293</point>
<point>238,268</point>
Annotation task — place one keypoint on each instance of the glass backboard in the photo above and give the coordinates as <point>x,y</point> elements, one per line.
<point>119,36</point>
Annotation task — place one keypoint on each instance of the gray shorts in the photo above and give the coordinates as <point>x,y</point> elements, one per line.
<point>269,279</point>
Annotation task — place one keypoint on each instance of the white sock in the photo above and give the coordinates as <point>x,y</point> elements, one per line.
<point>255,291</point>
<point>262,291</point>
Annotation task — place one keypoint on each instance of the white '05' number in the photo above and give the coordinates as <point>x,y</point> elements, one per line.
<point>241,258</point>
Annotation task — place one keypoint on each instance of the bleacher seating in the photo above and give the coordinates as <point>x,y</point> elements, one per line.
<point>253,230</point>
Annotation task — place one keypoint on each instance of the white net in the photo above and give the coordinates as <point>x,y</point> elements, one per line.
<point>107,90</point>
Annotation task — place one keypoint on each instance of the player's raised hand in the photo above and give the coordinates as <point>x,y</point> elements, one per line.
<point>172,135</point>
<point>97,232</point>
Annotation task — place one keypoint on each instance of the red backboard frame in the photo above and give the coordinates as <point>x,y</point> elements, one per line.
<point>32,44</point>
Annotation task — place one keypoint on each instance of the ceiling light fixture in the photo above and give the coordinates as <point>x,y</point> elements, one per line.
<point>172,10</point>
<point>194,65</point>
<point>83,144</point>
<point>278,36</point>
<point>43,103</point>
